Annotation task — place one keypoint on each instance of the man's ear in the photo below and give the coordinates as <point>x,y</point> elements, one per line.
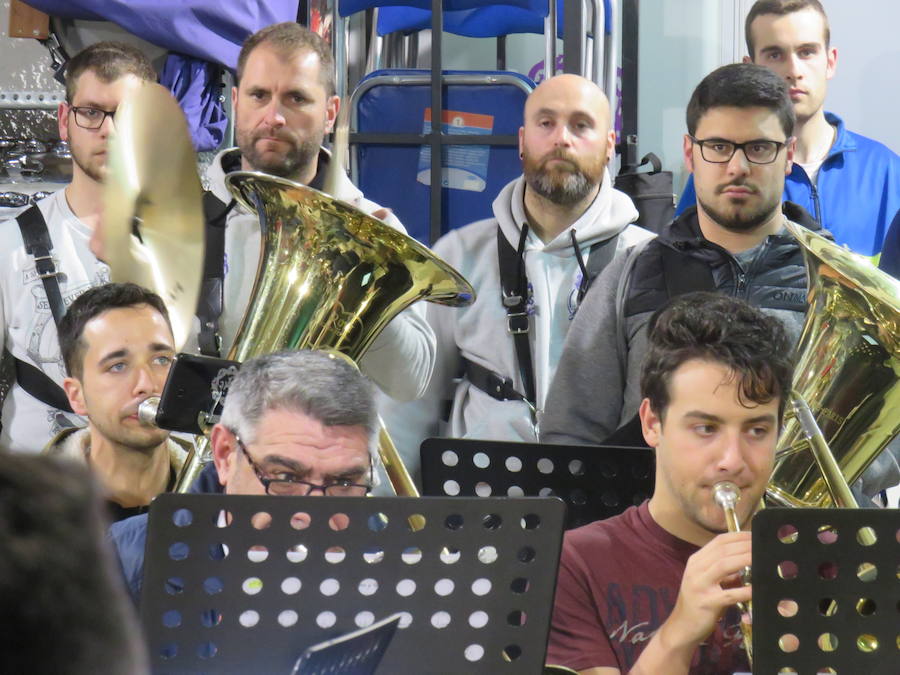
<point>75,394</point>
<point>746,59</point>
<point>688,153</point>
<point>224,453</point>
<point>790,149</point>
<point>831,62</point>
<point>332,108</point>
<point>651,424</point>
<point>234,98</point>
<point>62,121</point>
<point>521,142</point>
<point>610,145</point>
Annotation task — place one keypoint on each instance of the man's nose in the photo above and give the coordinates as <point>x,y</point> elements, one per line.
<point>144,382</point>
<point>739,164</point>
<point>731,458</point>
<point>562,136</point>
<point>274,116</point>
<point>793,72</point>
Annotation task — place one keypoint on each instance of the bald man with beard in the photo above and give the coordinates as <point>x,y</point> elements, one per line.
<point>558,220</point>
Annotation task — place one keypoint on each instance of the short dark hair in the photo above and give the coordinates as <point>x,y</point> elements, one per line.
<point>108,61</point>
<point>62,600</point>
<point>288,39</point>
<point>92,303</point>
<point>724,330</point>
<point>782,8</point>
<point>741,85</point>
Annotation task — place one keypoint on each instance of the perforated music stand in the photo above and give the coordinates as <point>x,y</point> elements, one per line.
<point>595,482</point>
<point>229,591</point>
<point>847,618</point>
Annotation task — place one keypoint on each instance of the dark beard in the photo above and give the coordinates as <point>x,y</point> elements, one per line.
<point>740,222</point>
<point>288,165</point>
<point>564,188</point>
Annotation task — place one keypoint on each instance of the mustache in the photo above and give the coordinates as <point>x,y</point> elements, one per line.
<point>737,183</point>
<point>559,154</point>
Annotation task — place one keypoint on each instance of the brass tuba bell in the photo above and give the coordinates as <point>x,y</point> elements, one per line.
<point>848,372</point>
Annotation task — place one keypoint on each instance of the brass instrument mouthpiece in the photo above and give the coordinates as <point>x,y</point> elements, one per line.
<point>726,494</point>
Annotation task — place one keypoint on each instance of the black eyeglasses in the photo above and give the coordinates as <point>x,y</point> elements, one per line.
<point>719,151</point>
<point>90,118</point>
<point>292,486</point>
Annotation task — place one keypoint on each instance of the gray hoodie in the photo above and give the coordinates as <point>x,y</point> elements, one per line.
<point>478,333</point>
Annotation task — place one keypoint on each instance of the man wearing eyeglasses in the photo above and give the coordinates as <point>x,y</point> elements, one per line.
<point>739,147</point>
<point>849,183</point>
<point>294,423</point>
<point>46,262</point>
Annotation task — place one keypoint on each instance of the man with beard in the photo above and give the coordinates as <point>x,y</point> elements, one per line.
<point>117,345</point>
<point>739,147</point>
<point>284,104</point>
<point>553,230</point>
<point>849,183</point>
<point>47,261</point>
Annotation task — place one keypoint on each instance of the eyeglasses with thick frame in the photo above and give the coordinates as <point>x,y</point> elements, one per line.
<point>720,151</point>
<point>302,488</point>
<point>88,117</point>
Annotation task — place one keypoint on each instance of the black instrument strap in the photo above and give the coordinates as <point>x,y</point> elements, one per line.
<point>212,288</point>
<point>514,296</point>
<point>37,242</point>
<point>39,385</point>
<point>599,257</point>
<point>38,245</point>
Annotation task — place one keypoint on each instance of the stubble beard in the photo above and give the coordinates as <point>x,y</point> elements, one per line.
<point>143,441</point>
<point>290,164</point>
<point>561,187</point>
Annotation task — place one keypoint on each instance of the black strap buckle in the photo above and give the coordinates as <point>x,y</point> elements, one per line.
<point>517,323</point>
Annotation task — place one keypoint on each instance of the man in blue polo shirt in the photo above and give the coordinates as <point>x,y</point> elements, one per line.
<point>849,183</point>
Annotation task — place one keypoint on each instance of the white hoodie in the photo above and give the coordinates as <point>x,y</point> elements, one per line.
<point>478,333</point>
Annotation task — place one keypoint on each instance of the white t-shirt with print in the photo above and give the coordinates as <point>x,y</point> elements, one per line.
<point>28,329</point>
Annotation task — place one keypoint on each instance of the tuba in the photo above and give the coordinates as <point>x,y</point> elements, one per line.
<point>330,277</point>
<point>848,374</point>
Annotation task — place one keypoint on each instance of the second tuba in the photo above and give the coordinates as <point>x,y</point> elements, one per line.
<point>848,372</point>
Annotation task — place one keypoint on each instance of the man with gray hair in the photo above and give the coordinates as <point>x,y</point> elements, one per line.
<point>294,423</point>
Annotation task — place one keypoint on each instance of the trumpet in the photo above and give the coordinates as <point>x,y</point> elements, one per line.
<point>727,495</point>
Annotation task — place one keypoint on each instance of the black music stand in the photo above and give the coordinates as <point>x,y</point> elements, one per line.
<point>846,590</point>
<point>237,584</point>
<point>595,481</point>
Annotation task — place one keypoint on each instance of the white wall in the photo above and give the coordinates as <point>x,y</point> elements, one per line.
<point>865,90</point>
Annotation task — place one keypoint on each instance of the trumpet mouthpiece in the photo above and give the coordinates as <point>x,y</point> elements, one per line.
<point>726,494</point>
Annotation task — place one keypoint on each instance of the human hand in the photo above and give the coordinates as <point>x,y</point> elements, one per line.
<point>711,583</point>
<point>381,213</point>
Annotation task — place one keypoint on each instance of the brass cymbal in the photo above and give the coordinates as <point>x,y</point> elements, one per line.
<point>153,232</point>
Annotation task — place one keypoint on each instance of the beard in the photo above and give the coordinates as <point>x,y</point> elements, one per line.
<point>287,164</point>
<point>740,219</point>
<point>92,167</point>
<point>563,185</point>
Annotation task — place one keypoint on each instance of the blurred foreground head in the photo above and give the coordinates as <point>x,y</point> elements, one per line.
<point>62,605</point>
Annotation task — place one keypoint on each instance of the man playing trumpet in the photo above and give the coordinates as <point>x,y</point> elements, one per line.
<point>654,590</point>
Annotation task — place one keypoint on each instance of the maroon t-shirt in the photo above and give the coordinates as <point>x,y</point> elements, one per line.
<point>618,582</point>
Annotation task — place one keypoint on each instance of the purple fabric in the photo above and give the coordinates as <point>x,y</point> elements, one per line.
<point>196,85</point>
<point>212,30</point>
